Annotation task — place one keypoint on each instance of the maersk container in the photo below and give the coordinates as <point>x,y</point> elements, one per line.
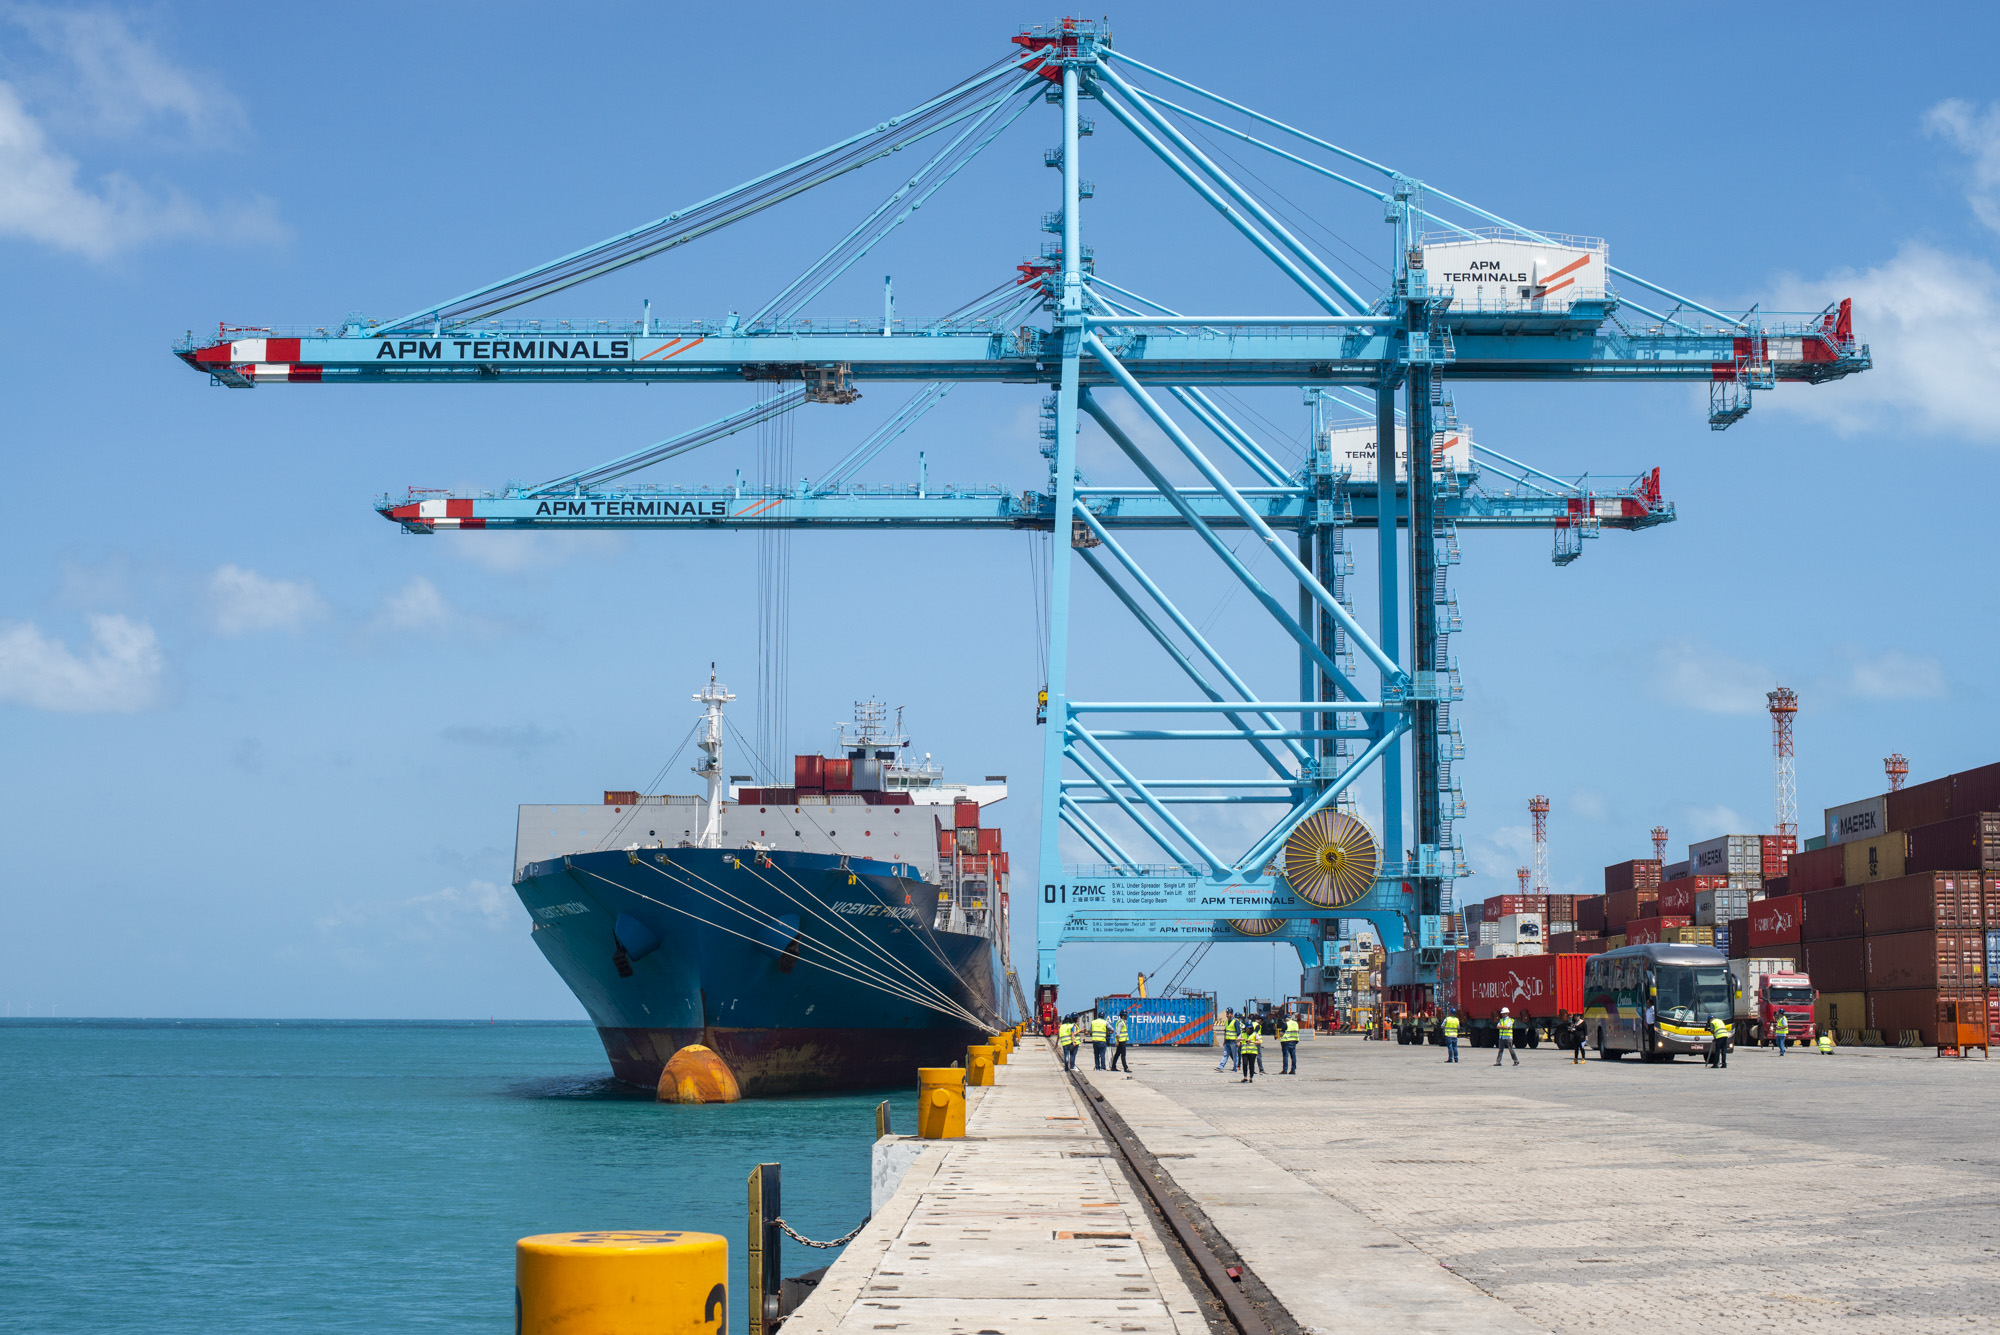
<point>1727,855</point>
<point>1857,820</point>
<point>1164,1022</point>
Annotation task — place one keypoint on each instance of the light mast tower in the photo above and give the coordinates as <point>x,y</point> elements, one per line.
<point>1784,704</point>
<point>1538,808</point>
<point>1898,770</point>
<point>1523,874</point>
<point>1660,844</point>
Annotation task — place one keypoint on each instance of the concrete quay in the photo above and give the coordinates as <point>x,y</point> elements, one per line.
<point>1853,1193</point>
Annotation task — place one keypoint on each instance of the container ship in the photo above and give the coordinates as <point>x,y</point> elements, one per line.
<point>834,934</point>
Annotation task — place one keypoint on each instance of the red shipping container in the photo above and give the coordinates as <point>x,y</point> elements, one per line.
<point>1925,804</point>
<point>1930,901</point>
<point>1641,930</point>
<point>1926,959</point>
<point>989,841</point>
<point>1590,914</point>
<point>627,798</point>
<point>1963,843</point>
<point>1677,896</point>
<point>1892,1012</point>
<point>965,814</point>
<point>1776,849</point>
<point>1837,966</point>
<point>1831,915</point>
<point>1535,986</point>
<point>1817,869</point>
<point>1773,922</point>
<point>1739,940</point>
<point>809,773</point>
<point>839,775</point>
<point>1626,905</point>
<point>1638,874</point>
<point>1779,885</point>
<point>1975,790</point>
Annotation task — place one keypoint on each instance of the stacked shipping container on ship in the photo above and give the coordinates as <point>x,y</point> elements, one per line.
<point>1900,910</point>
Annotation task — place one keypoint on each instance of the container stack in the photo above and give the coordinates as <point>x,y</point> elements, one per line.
<point>1899,908</point>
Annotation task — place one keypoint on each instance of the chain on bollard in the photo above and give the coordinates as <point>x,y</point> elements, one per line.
<point>837,1242</point>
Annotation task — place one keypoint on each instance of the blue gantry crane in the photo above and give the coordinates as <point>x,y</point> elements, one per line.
<point>1471,296</point>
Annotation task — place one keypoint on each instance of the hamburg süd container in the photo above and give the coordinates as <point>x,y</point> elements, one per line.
<point>1535,986</point>
<point>1963,843</point>
<point>1677,897</point>
<point>1773,922</point>
<point>1640,931</point>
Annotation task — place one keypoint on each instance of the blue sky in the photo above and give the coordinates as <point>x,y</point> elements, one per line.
<point>259,752</point>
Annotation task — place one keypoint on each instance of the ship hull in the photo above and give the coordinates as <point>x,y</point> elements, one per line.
<point>803,971</point>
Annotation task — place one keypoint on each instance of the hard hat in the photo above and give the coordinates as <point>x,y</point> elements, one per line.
<point>1503,1010</point>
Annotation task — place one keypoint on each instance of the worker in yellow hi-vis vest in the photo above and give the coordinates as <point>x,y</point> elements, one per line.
<point>1247,1044</point>
<point>1066,1036</point>
<point>1100,1033</point>
<point>1121,1034</point>
<point>1503,1037</point>
<point>1288,1045</point>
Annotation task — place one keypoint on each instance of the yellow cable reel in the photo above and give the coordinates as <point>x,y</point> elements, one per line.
<point>1331,860</point>
<point>1256,926</point>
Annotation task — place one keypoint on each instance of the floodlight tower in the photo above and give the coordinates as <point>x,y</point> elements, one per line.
<point>1523,874</point>
<point>1898,770</point>
<point>1538,807</point>
<point>1659,843</point>
<point>1784,704</point>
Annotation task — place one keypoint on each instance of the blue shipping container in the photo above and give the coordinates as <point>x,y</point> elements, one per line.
<point>1164,1021</point>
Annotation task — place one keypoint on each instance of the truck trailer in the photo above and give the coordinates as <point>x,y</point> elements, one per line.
<point>1765,987</point>
<point>1535,989</point>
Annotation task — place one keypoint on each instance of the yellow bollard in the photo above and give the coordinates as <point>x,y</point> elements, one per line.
<point>617,1282</point>
<point>979,1061</point>
<point>696,1074</point>
<point>940,1102</point>
<point>1002,1049</point>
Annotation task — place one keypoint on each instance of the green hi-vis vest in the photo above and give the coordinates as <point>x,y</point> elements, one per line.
<point>1451,1026</point>
<point>1292,1030</point>
<point>1826,1042</point>
<point>1716,1026</point>
<point>1251,1042</point>
<point>1124,1034</point>
<point>1505,1024</point>
<point>1098,1029</point>
<point>1784,1025</point>
<point>1230,1031</point>
<point>1067,1035</point>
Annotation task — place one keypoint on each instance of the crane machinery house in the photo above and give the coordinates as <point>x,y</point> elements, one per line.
<point>1501,269</point>
<point>1351,446</point>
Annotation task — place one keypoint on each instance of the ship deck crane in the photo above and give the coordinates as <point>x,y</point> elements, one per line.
<point>1471,297</point>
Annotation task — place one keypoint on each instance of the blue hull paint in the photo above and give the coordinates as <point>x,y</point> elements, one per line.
<point>799,972</point>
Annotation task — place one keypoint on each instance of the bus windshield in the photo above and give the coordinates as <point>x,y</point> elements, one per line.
<point>1692,993</point>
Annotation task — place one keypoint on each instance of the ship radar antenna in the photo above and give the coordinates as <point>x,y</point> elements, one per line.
<point>714,695</point>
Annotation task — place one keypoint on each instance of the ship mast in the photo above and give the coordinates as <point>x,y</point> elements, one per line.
<point>714,695</point>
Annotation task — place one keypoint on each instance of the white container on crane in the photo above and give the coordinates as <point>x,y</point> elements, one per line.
<point>1352,446</point>
<point>1502,270</point>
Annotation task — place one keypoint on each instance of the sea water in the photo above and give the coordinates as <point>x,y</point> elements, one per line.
<point>221,1176</point>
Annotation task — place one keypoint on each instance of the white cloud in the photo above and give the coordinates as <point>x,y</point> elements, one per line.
<point>480,900</point>
<point>416,606</point>
<point>116,82</point>
<point>1930,317</point>
<point>112,83</point>
<point>1708,822</point>
<point>1976,135</point>
<point>242,600</point>
<point>119,674</point>
<point>1895,675</point>
<point>1711,682</point>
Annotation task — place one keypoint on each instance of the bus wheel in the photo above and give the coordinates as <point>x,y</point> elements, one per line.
<point>1605,1054</point>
